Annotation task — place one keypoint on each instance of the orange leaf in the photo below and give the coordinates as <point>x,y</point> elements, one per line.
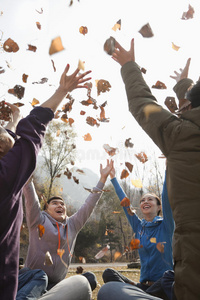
<point>38,25</point>
<point>24,78</point>
<point>129,166</point>
<point>116,212</point>
<point>10,46</point>
<point>125,202</point>
<point>160,246</point>
<point>117,254</point>
<point>83,30</point>
<point>124,174</point>
<point>142,157</point>
<point>56,46</point>
<point>87,137</point>
<point>41,230</point>
<point>82,113</point>
<point>60,252</point>
<point>110,150</point>
<point>135,244</point>
<point>71,121</point>
<point>159,85</point>
<point>34,102</point>
<point>91,121</point>
<point>32,48</point>
<point>64,118</point>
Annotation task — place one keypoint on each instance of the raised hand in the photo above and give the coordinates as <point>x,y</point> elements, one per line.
<point>106,171</point>
<point>122,56</point>
<point>183,72</point>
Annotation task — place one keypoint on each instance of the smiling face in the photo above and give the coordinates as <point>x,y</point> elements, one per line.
<point>150,206</point>
<point>56,209</point>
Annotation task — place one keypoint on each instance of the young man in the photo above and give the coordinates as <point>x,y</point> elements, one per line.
<point>179,140</point>
<point>17,163</point>
<point>60,233</point>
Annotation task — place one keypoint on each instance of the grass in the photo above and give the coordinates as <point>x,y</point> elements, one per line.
<point>133,274</point>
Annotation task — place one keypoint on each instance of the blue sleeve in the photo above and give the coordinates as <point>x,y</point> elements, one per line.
<point>133,220</point>
<point>166,208</point>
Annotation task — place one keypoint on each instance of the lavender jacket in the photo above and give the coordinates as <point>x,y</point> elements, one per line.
<point>15,169</point>
<point>55,233</point>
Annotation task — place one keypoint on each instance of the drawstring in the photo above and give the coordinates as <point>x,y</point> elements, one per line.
<point>66,236</point>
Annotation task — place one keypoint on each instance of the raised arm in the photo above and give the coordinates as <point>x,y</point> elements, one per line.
<point>15,118</point>
<point>67,84</point>
<point>82,215</point>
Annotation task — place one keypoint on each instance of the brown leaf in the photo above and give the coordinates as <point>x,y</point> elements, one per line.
<point>10,46</point>
<point>102,115</point>
<point>68,173</point>
<point>146,31</point>
<point>189,14</point>
<point>32,48</point>
<point>40,12</point>
<point>24,78</point>
<point>38,25</point>
<point>68,106</point>
<point>91,121</point>
<point>128,143</point>
<point>125,202</point>
<point>76,180</point>
<point>17,91</point>
<point>110,150</point>
<point>159,85</point>
<point>2,70</point>
<point>109,45</point>
<point>53,64</point>
<point>129,166</point>
<point>56,45</point>
<point>102,86</point>
<point>82,112</point>
<point>124,174</point>
<point>142,157</point>
<point>83,30</point>
<point>160,246</point>
<point>131,211</point>
<point>5,111</point>
<point>42,80</point>
<point>18,104</point>
<point>171,104</point>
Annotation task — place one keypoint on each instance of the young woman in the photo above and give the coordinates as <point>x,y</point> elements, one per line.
<point>152,231</point>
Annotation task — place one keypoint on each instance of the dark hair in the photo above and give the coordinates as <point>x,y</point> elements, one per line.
<point>193,95</point>
<point>157,199</point>
<point>50,199</point>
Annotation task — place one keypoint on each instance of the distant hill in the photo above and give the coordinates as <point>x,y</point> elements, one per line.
<point>74,193</point>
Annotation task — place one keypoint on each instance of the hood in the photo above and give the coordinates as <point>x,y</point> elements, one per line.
<point>153,223</point>
<point>53,220</point>
<point>192,115</point>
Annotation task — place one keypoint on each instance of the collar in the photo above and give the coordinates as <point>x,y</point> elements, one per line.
<point>156,221</point>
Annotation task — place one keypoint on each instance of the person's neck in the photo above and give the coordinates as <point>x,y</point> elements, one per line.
<point>149,218</point>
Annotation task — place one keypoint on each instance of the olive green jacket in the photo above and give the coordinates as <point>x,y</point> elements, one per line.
<point>177,137</point>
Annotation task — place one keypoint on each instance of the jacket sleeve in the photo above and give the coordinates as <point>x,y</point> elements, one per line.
<point>32,204</point>
<point>82,215</point>
<point>161,125</point>
<point>133,220</point>
<point>181,87</point>
<point>166,208</point>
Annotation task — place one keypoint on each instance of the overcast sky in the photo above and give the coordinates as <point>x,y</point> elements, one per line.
<point>18,21</point>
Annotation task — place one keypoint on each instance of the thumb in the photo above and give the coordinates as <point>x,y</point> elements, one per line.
<point>132,45</point>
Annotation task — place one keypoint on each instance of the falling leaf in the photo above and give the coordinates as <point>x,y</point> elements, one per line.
<point>117,255</point>
<point>146,31</point>
<point>5,111</point>
<point>87,137</point>
<point>124,174</point>
<point>137,183</point>
<point>81,65</point>
<point>109,45</point>
<point>142,157</point>
<point>48,261</point>
<point>82,260</point>
<point>83,30</point>
<point>116,212</point>
<point>91,121</point>
<point>128,144</point>
<point>80,171</point>
<point>159,85</point>
<point>24,78</point>
<point>189,14</point>
<point>135,244</point>
<point>131,211</point>
<point>71,121</point>
<point>101,253</point>
<point>2,70</point>
<point>102,115</point>
<point>60,252</point>
<point>110,150</point>
<point>79,270</point>
<point>57,113</point>
<point>143,70</point>
<point>129,166</point>
<point>171,104</point>
<point>76,180</point>
<point>40,12</point>
<point>42,80</point>
<point>151,109</point>
<point>53,64</point>
<point>35,102</point>
<point>87,102</point>
<point>82,112</point>
<point>58,176</point>
<point>17,91</point>
<point>160,246</point>
<point>117,26</point>
<point>175,47</point>
<point>64,118</point>
<point>125,202</point>
<point>38,25</point>
<point>10,46</point>
<point>102,86</point>
<point>41,230</point>
<point>153,240</point>
<point>68,173</point>
<point>32,48</point>
<point>56,46</point>
<point>18,104</point>
<point>68,106</point>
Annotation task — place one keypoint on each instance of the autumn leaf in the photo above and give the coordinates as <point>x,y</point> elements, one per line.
<point>160,246</point>
<point>188,14</point>
<point>40,12</point>
<point>64,118</point>
<point>102,86</point>
<point>117,255</point>
<point>2,70</point>
<point>95,191</point>
<point>42,80</point>
<point>109,45</point>
<point>82,260</point>
<point>17,91</point>
<point>48,259</point>
<point>124,174</point>
<point>151,109</point>
<point>110,150</point>
<point>79,270</point>
<point>101,253</point>
<point>41,230</point>
<point>76,180</point>
<point>171,104</point>
<point>18,104</point>
<point>87,137</point>
<point>117,25</point>
<point>159,85</point>
<point>10,46</point>
<point>35,102</point>
<point>60,252</point>
<point>24,78</point>
<point>32,48</point>
<point>82,112</point>
<point>153,240</point>
<point>125,202</point>
<point>175,47</point>
<point>116,212</point>
<point>102,115</point>
<point>56,45</point>
<point>129,166</point>
<point>68,173</point>
<point>135,244</point>
<point>38,25</point>
<point>91,121</point>
<point>131,211</point>
<point>143,70</point>
<point>80,171</point>
<point>81,65</point>
<point>137,183</point>
<point>142,157</point>
<point>87,102</point>
<point>5,111</point>
<point>128,144</point>
<point>146,31</point>
<point>83,30</point>
<point>71,121</point>
<point>53,64</point>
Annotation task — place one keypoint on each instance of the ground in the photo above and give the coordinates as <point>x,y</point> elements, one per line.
<point>97,269</point>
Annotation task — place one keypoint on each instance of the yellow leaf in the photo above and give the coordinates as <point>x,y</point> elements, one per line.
<point>56,46</point>
<point>81,65</point>
<point>34,102</point>
<point>175,47</point>
<point>137,183</point>
<point>153,240</point>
